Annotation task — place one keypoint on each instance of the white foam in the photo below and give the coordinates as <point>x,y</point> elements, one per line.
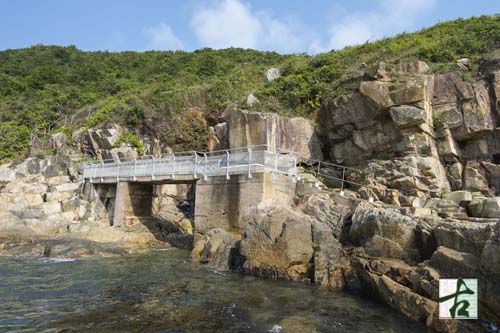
<point>275,329</point>
<point>57,260</point>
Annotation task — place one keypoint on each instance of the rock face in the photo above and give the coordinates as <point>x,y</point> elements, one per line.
<point>244,128</point>
<point>279,244</point>
<point>385,233</point>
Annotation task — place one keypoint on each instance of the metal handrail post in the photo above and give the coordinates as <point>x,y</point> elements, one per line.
<point>249,163</point>
<point>205,177</point>
<point>275,173</point>
<point>227,164</point>
<point>118,171</point>
<point>173,166</point>
<point>294,170</point>
<point>102,170</point>
<point>195,165</point>
<point>134,170</point>
<point>153,168</point>
<point>343,178</point>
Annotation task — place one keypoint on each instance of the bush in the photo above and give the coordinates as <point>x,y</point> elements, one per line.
<point>131,139</point>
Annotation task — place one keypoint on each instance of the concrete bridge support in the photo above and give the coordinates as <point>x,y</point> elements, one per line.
<point>132,200</point>
<point>229,203</point>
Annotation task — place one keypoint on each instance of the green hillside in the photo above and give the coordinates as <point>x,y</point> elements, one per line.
<point>171,95</point>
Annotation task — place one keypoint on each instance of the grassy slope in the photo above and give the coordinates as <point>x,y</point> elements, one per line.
<point>169,94</point>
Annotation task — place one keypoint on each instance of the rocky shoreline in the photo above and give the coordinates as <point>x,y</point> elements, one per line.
<point>429,148</point>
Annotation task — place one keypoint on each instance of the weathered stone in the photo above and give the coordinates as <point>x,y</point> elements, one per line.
<point>406,115</point>
<point>67,187</point>
<point>278,243</point>
<point>454,174</point>
<point>298,323</point>
<point>272,74</point>
<point>446,208</point>
<point>252,100</point>
<point>325,210</point>
<point>464,63</point>
<point>412,67</point>
<point>57,140</point>
<point>215,247</point>
<point>447,147</point>
<point>8,175</point>
<point>331,265</point>
<point>395,294</point>
<point>459,197</point>
<point>58,180</point>
<point>491,63</point>
<point>493,174</point>
<point>477,112</point>
<point>490,276</point>
<point>491,208</point>
<point>41,210</point>
<point>449,114</point>
<point>496,90</point>
<point>255,128</point>
<point>463,236</point>
<point>377,92</point>
<point>474,180</point>
<point>213,140</point>
<point>345,110</point>
<point>100,140</point>
<point>220,131</point>
<point>395,232</point>
<point>408,92</point>
<point>452,263</point>
<point>58,196</point>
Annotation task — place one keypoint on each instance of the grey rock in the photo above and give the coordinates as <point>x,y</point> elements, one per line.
<point>272,74</point>
<point>406,115</point>
<point>252,100</point>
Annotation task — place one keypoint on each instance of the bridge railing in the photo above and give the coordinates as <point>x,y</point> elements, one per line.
<point>196,164</point>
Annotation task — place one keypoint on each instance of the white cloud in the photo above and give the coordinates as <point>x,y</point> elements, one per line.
<point>162,37</point>
<point>233,23</point>
<point>390,17</point>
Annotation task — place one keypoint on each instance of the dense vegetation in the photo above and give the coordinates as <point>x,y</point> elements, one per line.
<point>172,95</point>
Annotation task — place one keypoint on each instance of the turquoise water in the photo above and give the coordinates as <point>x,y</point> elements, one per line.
<point>165,292</point>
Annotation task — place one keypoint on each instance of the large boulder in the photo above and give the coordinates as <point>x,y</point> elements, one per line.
<point>452,263</point>
<point>216,247</point>
<point>272,74</point>
<point>463,236</point>
<point>278,243</point>
<point>384,232</point>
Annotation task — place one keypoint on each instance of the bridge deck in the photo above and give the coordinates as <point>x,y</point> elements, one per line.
<point>192,166</point>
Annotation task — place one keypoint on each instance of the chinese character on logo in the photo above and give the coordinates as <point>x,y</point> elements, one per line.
<point>458,298</point>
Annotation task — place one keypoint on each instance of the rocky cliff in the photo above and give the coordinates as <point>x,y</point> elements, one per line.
<point>429,146</point>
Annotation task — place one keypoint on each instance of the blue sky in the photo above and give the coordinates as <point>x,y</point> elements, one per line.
<point>285,26</point>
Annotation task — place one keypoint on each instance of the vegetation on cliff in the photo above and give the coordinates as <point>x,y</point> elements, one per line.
<point>173,95</point>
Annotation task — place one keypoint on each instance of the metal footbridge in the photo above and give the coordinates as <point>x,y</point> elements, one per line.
<point>193,165</point>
